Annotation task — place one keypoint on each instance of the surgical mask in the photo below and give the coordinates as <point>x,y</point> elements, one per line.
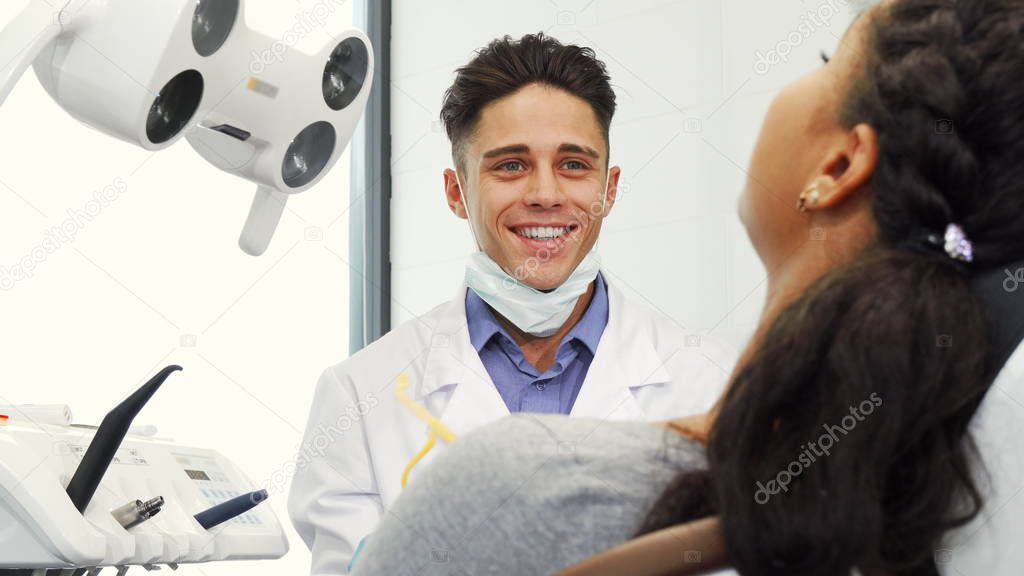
<point>532,311</point>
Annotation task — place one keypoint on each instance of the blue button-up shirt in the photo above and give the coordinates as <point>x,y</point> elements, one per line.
<point>521,386</point>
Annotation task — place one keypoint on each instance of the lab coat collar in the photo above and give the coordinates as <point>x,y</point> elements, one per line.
<point>626,357</point>
<point>451,359</point>
<point>626,360</point>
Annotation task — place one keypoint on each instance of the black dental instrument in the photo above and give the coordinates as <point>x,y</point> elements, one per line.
<point>108,439</point>
<point>227,510</point>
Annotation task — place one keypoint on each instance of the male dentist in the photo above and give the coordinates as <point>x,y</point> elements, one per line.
<point>537,326</point>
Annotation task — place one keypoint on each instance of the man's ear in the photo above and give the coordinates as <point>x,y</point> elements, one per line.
<point>453,195</point>
<point>848,168</point>
<point>612,193</point>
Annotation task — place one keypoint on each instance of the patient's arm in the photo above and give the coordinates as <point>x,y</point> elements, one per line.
<point>692,548</point>
<point>696,427</point>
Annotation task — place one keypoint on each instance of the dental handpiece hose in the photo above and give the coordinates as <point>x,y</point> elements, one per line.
<point>225,511</point>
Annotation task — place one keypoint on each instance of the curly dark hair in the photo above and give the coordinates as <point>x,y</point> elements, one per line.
<point>506,65</point>
<point>942,83</point>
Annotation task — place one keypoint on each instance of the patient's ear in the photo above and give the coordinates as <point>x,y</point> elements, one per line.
<point>848,168</point>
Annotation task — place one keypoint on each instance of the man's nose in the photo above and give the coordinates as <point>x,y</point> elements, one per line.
<point>544,191</point>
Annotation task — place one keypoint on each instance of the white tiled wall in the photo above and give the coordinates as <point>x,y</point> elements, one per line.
<point>691,99</point>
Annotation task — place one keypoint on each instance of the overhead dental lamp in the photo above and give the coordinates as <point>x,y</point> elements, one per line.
<point>150,73</point>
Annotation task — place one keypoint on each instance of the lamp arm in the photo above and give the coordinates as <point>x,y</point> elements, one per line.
<point>264,215</point>
<point>23,39</point>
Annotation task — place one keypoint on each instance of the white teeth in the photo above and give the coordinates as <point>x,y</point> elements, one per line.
<point>542,233</point>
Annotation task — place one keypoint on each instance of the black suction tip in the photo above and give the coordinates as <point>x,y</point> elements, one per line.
<point>108,439</point>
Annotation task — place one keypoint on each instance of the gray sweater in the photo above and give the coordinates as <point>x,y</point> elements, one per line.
<point>529,494</point>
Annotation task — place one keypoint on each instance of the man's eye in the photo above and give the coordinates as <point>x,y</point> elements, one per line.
<point>510,166</point>
<point>575,165</point>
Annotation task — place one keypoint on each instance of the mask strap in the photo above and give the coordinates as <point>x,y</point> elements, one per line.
<point>604,203</point>
<point>462,194</point>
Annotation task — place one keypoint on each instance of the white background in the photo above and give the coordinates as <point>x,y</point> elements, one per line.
<point>104,313</point>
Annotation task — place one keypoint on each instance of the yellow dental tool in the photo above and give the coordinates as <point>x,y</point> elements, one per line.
<point>437,428</point>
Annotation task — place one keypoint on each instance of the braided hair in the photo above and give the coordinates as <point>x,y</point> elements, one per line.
<point>843,443</point>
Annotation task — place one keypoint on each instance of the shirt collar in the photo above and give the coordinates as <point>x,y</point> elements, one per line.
<point>481,321</point>
<point>591,326</point>
<point>483,325</point>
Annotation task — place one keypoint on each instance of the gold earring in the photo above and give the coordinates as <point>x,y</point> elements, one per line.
<point>808,197</point>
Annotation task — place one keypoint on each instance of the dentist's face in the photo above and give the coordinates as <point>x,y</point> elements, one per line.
<point>534,179</point>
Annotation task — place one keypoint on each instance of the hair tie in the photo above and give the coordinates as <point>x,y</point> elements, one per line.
<point>954,243</point>
<point>957,245</point>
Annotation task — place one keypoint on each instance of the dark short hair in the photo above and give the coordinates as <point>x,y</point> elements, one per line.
<point>506,65</point>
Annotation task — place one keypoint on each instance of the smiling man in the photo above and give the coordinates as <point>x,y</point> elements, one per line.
<point>537,326</point>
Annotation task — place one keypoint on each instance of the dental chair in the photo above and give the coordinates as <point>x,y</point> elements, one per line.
<point>987,546</point>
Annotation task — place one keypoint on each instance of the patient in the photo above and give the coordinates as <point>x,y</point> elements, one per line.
<point>880,184</point>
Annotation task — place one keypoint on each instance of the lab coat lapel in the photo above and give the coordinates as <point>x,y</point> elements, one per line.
<point>626,360</point>
<point>455,372</point>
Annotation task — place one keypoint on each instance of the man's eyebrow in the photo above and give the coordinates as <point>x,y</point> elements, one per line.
<point>524,149</point>
<point>576,148</point>
<point>510,149</point>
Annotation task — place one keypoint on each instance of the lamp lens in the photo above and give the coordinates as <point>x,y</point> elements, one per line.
<point>174,106</point>
<point>212,23</point>
<point>308,154</point>
<point>345,73</point>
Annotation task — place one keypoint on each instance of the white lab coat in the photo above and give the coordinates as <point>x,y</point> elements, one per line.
<point>359,438</point>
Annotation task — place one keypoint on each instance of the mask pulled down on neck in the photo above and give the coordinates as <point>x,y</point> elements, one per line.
<point>532,311</point>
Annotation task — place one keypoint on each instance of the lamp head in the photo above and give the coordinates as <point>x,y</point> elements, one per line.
<point>131,69</point>
<point>150,73</point>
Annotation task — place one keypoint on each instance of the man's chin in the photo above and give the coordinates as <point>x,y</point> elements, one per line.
<point>545,281</point>
<point>538,274</point>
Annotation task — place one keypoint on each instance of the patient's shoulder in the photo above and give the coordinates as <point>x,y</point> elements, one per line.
<point>572,442</point>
